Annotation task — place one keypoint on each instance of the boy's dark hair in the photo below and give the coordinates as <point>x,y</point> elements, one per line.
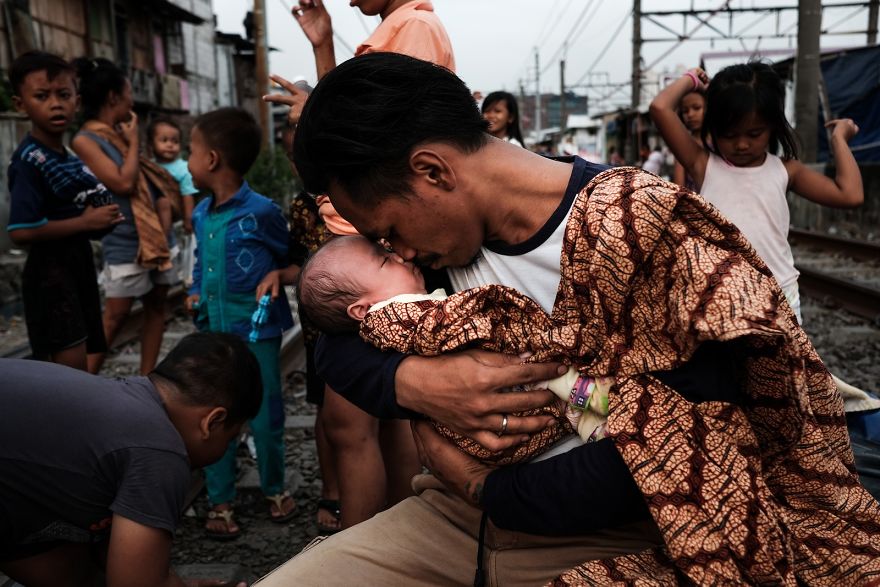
<point>509,100</point>
<point>215,369</point>
<point>98,77</point>
<point>27,63</point>
<point>737,90</point>
<point>234,133</point>
<point>155,122</point>
<point>364,118</point>
<point>323,296</point>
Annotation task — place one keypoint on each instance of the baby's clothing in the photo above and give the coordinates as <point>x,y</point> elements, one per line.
<point>180,172</point>
<point>497,318</point>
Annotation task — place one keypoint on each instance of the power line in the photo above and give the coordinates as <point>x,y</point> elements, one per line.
<point>568,37</point>
<point>604,49</point>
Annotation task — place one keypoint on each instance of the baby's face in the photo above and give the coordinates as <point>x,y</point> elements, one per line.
<point>382,274</point>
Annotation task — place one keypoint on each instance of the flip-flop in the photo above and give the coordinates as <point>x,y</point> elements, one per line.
<point>277,500</point>
<point>226,516</point>
<point>332,506</point>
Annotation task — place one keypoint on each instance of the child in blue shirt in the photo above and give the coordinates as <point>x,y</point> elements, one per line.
<point>241,237</point>
<point>57,205</point>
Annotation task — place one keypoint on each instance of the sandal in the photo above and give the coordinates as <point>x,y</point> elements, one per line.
<point>226,516</point>
<point>278,501</point>
<point>332,506</point>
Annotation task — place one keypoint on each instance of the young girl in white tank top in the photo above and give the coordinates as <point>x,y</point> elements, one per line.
<point>745,124</point>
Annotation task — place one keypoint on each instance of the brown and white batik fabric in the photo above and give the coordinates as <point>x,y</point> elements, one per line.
<point>491,317</point>
<point>763,494</point>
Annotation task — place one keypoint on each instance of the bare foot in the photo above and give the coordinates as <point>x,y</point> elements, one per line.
<point>220,523</point>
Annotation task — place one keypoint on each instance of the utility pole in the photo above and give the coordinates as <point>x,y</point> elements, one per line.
<point>872,21</point>
<point>537,97</point>
<point>261,54</point>
<point>563,109</point>
<point>807,74</point>
<point>631,149</point>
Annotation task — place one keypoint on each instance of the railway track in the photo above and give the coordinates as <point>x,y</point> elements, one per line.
<point>130,329</point>
<point>842,274</point>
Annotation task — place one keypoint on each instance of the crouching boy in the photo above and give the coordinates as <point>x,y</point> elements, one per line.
<point>95,470</point>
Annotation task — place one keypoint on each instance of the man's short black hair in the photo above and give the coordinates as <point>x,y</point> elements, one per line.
<point>364,118</point>
<point>27,63</point>
<point>215,369</point>
<point>234,133</point>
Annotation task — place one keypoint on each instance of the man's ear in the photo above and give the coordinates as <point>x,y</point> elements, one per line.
<point>429,165</point>
<point>211,421</point>
<point>18,104</point>
<point>358,310</point>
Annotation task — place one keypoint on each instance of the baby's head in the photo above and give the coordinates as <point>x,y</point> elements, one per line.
<point>163,136</point>
<point>346,276</point>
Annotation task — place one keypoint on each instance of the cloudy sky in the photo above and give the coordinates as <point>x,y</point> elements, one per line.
<point>495,40</point>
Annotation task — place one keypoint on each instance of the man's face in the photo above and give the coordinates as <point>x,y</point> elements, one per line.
<point>431,229</point>
<point>50,104</point>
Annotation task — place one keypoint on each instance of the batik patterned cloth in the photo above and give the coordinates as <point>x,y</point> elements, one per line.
<point>766,493</point>
<point>763,494</point>
<point>491,317</point>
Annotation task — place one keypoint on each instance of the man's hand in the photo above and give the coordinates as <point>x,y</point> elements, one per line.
<point>464,392</point>
<point>462,474</point>
<point>314,20</point>
<point>101,217</point>
<point>296,99</point>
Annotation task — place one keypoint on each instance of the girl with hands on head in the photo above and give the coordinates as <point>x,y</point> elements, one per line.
<point>736,167</point>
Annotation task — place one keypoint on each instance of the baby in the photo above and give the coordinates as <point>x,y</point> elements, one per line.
<point>353,284</point>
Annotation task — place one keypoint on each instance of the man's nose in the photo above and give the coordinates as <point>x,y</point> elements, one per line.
<point>405,252</point>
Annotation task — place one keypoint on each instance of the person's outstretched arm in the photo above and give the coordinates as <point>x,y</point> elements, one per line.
<point>315,22</point>
<point>691,155</point>
<point>845,190</point>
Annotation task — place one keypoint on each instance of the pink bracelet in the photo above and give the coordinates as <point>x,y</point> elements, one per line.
<point>694,78</point>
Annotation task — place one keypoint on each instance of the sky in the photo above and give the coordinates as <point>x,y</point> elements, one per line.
<point>495,40</point>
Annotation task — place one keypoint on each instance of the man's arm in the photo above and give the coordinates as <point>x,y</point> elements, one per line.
<point>461,390</point>
<point>141,556</point>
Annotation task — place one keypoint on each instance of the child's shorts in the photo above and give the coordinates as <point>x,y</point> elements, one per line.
<point>62,307</point>
<point>131,281</point>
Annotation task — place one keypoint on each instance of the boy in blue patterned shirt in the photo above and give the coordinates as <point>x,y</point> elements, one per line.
<point>241,237</point>
<point>57,205</point>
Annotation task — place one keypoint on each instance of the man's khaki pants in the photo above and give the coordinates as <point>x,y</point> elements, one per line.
<point>431,539</point>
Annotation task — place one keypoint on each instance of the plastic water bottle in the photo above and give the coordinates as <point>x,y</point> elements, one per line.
<point>260,316</point>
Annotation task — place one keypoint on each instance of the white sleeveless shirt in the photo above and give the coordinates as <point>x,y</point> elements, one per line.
<point>753,198</point>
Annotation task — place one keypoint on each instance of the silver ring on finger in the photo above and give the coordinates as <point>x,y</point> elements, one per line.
<point>504,422</point>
